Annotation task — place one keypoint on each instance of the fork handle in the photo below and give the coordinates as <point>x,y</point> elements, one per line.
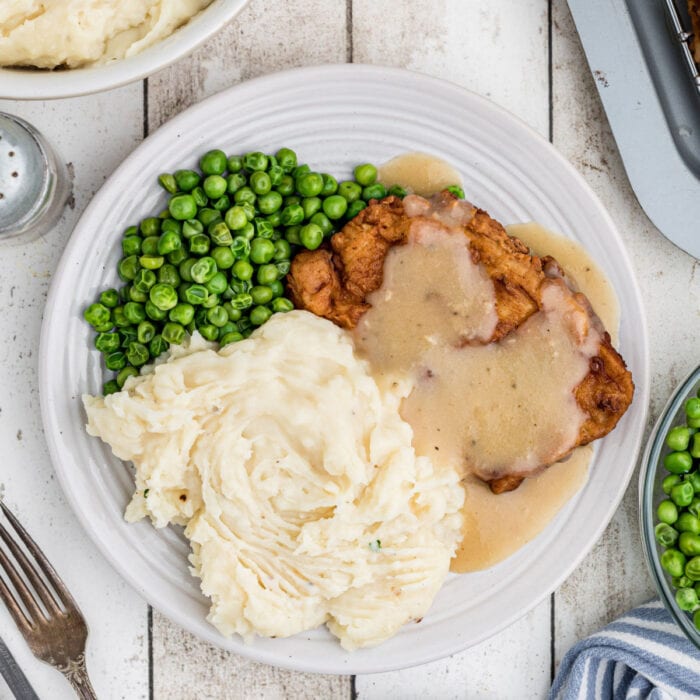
<point>76,673</point>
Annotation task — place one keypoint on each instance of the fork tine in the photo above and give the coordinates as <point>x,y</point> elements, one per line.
<point>17,613</point>
<point>30,572</point>
<point>21,587</point>
<point>62,592</point>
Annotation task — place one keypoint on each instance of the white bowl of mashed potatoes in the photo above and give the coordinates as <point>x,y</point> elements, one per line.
<point>64,48</point>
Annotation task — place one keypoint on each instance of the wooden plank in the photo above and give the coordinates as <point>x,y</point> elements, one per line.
<point>266,37</point>
<point>481,46</point>
<point>613,578</point>
<point>93,134</point>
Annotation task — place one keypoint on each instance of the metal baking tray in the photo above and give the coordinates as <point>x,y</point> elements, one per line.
<point>651,98</point>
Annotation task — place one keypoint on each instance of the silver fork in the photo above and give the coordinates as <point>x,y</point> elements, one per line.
<point>46,613</point>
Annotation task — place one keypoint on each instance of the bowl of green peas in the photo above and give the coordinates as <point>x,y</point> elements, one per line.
<point>670,505</point>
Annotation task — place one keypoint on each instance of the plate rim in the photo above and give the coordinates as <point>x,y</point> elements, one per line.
<point>376,72</point>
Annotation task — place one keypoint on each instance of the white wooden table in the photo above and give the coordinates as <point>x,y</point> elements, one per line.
<point>524,55</point>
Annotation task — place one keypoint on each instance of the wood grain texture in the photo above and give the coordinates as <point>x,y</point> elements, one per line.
<point>614,578</point>
<point>92,134</point>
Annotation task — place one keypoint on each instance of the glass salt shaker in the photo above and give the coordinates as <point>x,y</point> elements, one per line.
<point>34,183</point>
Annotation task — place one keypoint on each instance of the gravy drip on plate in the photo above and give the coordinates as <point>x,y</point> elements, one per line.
<point>488,408</point>
<point>419,173</point>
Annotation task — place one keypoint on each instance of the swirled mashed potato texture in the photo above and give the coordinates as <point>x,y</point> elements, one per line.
<point>294,474</point>
<point>74,33</point>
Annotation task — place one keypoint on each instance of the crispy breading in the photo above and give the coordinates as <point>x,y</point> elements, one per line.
<point>334,283</point>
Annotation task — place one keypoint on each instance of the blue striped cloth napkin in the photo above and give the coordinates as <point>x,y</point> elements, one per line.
<point>642,655</point>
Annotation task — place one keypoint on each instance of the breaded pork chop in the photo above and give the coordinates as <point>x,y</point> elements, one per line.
<point>334,283</point>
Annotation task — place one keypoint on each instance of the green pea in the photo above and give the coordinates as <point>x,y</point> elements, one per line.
<point>196,294</point>
<point>365,174</point>
<point>120,320</point>
<point>309,184</point>
<point>236,218</point>
<point>168,182</point>
<point>282,305</point>
<point>310,205</point>
<point>191,228</point>
<point>277,288</point>
<point>234,164</point>
<point>131,245</point>
<point>168,242</point>
<point>182,314</point>
<point>250,211</point>
<point>263,228</point>
<point>163,296</point>
<point>168,274</point>
<point>128,335</point>
<point>150,226</point>
<point>213,162</point>
<point>682,494</point>
<point>262,250</point>
<point>203,270</point>
<point>128,267</point>
<point>234,182</point>
<point>229,338</point>
<point>173,333</point>
<point>678,438</point>
<point>245,326</point>
<point>693,422</point>
<point>210,301</point>
<point>182,206</point>
<point>110,387</point>
<point>151,262</point>
<point>177,256</point>
<point>144,280</point>
<point>678,462</point>
<point>171,225</point>
<point>689,543</point>
<point>223,257</point>
<point>375,191</point>
<point>673,562</point>
<point>220,234</point>
<point>125,373</point>
<point>330,185</point>
<point>669,482</point>
<point>694,507</point>
<point>682,582</point>
<point>242,301</point>
<point>209,332</point>
<point>233,314</point>
<point>255,160</point>
<point>311,236</point>
<point>398,191</point>
<point>300,170</point>
<point>275,219</point>
<point>291,235</point>
<point>260,183</point>
<point>98,316</point>
<point>321,220</point>
<point>145,332</point>
<point>687,522</point>
<point>214,186</point>
<point>287,159</point>
<point>222,203</point>
<point>335,206</point>
<point>692,569</point>
<point>667,512</point>
<point>270,202</point>
<point>350,191</point>
<point>282,267</point>
<point>286,185</point>
<point>157,346</point>
<point>149,245</point>
<point>240,247</point>
<point>292,214</point>
<point>261,294</point>
<point>692,408</point>
<point>115,360</point>
<point>243,270</point>
<point>283,251</point>
<point>244,196</point>
<point>137,354</point>
<point>186,180</point>
<point>239,286</point>
<point>137,295</point>
<point>134,312</point>
<point>199,244</point>
<point>665,535</point>
<point>259,314</point>
<point>217,284</point>
<point>107,342</point>
<point>693,478</point>
<point>131,231</point>
<point>355,208</point>
<point>695,450</point>
<point>217,316</point>
<point>687,599</point>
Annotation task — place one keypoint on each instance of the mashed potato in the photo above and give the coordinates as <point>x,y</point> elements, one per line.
<point>51,33</point>
<point>295,476</point>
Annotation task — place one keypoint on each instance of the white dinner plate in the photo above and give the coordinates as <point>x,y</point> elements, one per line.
<point>335,117</point>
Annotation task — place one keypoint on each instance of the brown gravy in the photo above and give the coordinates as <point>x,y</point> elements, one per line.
<point>467,396</point>
<point>419,173</point>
